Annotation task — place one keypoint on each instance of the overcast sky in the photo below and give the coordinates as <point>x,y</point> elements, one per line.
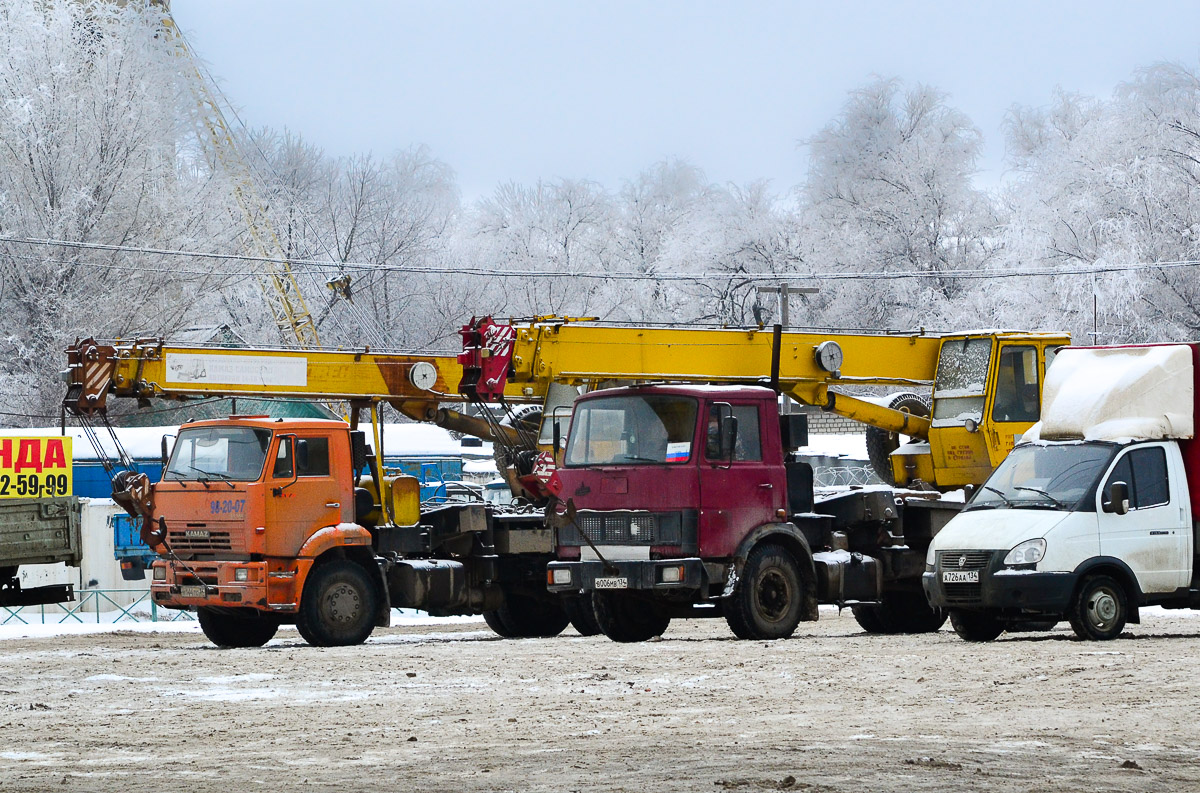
<point>517,91</point>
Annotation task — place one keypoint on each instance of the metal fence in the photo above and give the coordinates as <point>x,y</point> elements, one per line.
<point>95,606</point>
<point>845,476</point>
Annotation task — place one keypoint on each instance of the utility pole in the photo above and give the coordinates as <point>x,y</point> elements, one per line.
<point>783,291</point>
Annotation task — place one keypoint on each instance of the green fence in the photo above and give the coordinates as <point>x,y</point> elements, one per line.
<point>96,606</point>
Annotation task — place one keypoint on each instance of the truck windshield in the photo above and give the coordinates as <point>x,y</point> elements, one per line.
<point>632,430</point>
<point>230,453</point>
<point>1058,477</point>
<point>962,373</point>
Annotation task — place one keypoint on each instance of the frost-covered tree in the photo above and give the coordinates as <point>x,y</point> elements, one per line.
<point>1113,183</point>
<point>89,100</point>
<point>566,227</point>
<point>889,189</point>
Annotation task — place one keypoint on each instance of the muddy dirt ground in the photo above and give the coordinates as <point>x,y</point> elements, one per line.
<point>451,707</point>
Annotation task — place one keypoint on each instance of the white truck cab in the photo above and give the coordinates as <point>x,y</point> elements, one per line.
<point>1086,527</point>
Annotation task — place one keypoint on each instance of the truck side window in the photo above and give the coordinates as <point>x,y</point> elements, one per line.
<point>316,460</point>
<point>1145,471</point>
<point>1016,385</point>
<point>748,446</point>
<point>283,460</point>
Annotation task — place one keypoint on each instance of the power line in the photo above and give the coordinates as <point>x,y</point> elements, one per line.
<point>615,275</point>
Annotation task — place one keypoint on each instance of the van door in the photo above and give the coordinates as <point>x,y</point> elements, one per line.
<point>1154,537</point>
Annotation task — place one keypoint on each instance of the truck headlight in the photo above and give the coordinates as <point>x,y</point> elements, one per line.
<point>160,572</point>
<point>241,574</point>
<point>560,576</point>
<point>673,575</point>
<point>1028,552</point>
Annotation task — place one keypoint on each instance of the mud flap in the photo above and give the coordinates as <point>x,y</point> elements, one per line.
<point>378,572</point>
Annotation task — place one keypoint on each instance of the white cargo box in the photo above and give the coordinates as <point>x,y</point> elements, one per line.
<point>1118,393</point>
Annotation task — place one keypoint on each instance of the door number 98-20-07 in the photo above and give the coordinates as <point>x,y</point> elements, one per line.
<point>227,507</point>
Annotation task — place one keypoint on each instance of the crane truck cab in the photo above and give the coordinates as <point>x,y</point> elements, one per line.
<point>1093,514</point>
<point>261,522</point>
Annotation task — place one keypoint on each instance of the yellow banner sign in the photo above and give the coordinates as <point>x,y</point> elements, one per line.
<point>35,467</point>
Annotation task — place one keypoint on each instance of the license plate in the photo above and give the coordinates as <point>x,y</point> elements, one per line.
<point>960,577</point>
<point>612,583</point>
<point>192,591</point>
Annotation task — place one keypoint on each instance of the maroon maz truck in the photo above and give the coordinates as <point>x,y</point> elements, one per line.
<point>686,501</point>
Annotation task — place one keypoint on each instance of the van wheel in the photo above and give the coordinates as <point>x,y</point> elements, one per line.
<point>769,597</point>
<point>623,618</point>
<point>229,628</point>
<point>338,605</point>
<point>975,626</point>
<point>1100,609</point>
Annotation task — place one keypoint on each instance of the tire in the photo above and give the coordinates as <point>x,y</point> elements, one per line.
<point>228,628</point>
<point>1100,609</point>
<point>624,618</point>
<point>492,618</point>
<point>881,443</point>
<point>769,597</point>
<point>529,419</point>
<point>975,626</point>
<point>523,616</point>
<point>583,617</point>
<point>868,619</point>
<point>900,612</point>
<point>338,605</point>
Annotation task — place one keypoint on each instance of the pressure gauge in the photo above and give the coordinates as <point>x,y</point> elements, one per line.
<point>829,356</point>
<point>423,375</point>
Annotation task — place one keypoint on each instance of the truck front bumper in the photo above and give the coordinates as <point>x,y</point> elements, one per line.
<point>219,584</point>
<point>642,574</point>
<point>1004,590</point>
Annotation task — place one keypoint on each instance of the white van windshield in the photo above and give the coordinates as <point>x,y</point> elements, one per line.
<point>1045,477</point>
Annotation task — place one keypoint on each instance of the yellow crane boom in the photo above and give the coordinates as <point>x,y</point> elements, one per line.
<point>965,371</point>
<point>149,368</point>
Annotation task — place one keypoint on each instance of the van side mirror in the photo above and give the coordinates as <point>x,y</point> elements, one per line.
<point>1116,499</point>
<point>969,490</point>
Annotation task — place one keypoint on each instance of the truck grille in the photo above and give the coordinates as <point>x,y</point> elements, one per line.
<point>628,528</point>
<point>199,540</point>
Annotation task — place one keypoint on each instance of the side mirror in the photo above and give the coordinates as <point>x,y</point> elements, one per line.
<point>969,490</point>
<point>165,450</point>
<point>1116,499</point>
<point>301,455</point>
<point>729,432</point>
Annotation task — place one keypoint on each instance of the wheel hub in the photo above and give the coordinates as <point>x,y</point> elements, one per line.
<point>773,594</point>
<point>1103,608</point>
<point>343,603</point>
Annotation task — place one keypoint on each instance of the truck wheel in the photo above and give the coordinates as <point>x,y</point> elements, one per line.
<point>881,443</point>
<point>768,599</point>
<point>900,612</point>
<point>524,616</point>
<point>974,626</point>
<point>627,619</point>
<point>1100,609</point>
<point>228,628</point>
<point>492,618</point>
<point>583,617</point>
<point>338,605</point>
